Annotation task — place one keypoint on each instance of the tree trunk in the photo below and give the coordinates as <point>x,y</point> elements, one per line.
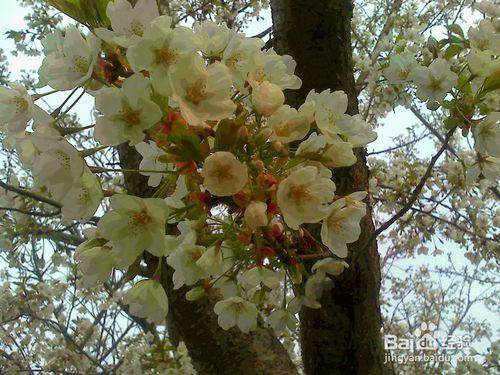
<point>343,337</point>
<point>212,350</point>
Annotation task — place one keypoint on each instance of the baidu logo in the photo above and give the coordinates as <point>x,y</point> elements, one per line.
<point>427,337</point>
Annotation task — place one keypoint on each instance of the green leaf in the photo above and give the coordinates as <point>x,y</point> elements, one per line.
<point>187,144</point>
<point>463,84</point>
<point>226,135</point>
<point>491,83</point>
<point>88,12</point>
<point>456,29</point>
<point>452,50</point>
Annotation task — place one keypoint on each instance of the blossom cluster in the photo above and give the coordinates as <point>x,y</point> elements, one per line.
<point>460,74</point>
<point>239,176</point>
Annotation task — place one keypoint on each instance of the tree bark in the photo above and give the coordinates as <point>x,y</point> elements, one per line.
<point>343,337</point>
<point>212,349</point>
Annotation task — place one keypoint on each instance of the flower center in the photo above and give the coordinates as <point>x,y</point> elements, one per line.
<point>335,222</point>
<point>81,65</point>
<point>435,84</point>
<point>196,93</point>
<point>64,160</point>
<point>136,28</point>
<point>129,115</point>
<point>20,103</point>
<point>299,194</point>
<point>222,172</point>
<point>165,56</point>
<point>141,218</point>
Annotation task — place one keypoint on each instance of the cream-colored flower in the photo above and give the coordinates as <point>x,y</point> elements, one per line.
<point>236,311</point>
<point>223,174</point>
<point>269,66</point>
<point>303,197</point>
<point>129,24</point>
<point>202,93</point>
<point>95,261</point>
<point>329,266</point>
<point>481,63</point>
<point>312,145</point>
<point>127,112</point>
<point>83,198</point>
<point>485,36</point>
<point>489,167</point>
<point>355,130</point>
<point>135,225</point>
<point>151,154</point>
<point>147,299</point>
<point>58,164</point>
<point>184,261</point>
<point>341,226</point>
<point>256,214</point>
<point>289,124</point>
<point>160,51</point>
<point>435,81</point>
<point>339,154</point>
<point>315,286</point>
<point>236,55</point>
<point>330,108</point>
<point>216,260</point>
<point>213,38</point>
<point>16,107</point>
<point>280,319</point>
<point>487,135</point>
<point>399,68</point>
<point>69,60</point>
<point>267,98</point>
<point>257,275</point>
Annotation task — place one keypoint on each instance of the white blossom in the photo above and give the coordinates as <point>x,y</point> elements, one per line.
<point>134,225</point>
<point>147,299</point>
<point>127,112</point>
<point>435,81</point>
<point>256,214</point>
<point>267,98</point>
<point>399,68</point>
<point>95,262</point>
<point>151,153</point>
<point>235,311</point>
<point>339,154</point>
<point>487,135</point>
<point>329,266</point>
<point>16,107</point>
<point>128,23</point>
<point>303,197</point>
<point>289,124</point>
<point>213,38</point>
<point>202,93</point>
<point>223,174</point>
<point>341,226</point>
<point>69,60</point>
<point>160,51</point>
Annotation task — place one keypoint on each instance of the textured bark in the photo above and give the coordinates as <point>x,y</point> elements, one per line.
<point>344,336</point>
<point>213,350</point>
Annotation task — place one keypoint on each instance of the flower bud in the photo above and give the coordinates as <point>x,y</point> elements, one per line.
<point>258,164</point>
<point>278,146</point>
<point>256,214</point>
<point>195,294</point>
<point>264,134</point>
<point>267,98</point>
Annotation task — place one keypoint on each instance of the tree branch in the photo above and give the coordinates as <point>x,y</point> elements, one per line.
<point>416,192</point>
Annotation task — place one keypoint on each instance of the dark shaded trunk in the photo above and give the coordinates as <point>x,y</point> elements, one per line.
<point>212,350</point>
<point>344,336</point>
